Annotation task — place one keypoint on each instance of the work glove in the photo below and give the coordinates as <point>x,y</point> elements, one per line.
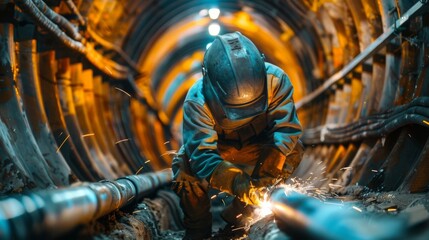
<point>230,179</point>
<point>270,163</point>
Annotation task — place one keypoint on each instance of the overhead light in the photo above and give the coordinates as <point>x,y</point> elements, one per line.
<point>203,12</point>
<point>214,29</point>
<point>214,13</point>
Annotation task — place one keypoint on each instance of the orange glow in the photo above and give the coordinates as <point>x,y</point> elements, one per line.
<point>168,42</point>
<point>181,92</point>
<point>182,67</point>
<point>287,213</point>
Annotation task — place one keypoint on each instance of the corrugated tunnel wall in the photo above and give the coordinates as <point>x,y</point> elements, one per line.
<point>93,89</point>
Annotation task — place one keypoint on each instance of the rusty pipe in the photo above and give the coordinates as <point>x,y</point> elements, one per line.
<point>59,20</point>
<point>107,66</point>
<point>30,8</point>
<point>72,7</point>
<point>50,213</point>
<point>381,124</point>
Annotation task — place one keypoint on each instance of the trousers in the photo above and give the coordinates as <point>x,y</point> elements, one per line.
<point>193,192</point>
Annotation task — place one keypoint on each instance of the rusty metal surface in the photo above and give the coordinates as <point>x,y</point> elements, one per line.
<point>116,102</point>
<point>402,158</point>
<point>20,153</point>
<point>69,113</point>
<point>374,126</point>
<point>372,48</point>
<point>56,120</point>
<point>105,131</point>
<point>96,122</point>
<point>393,58</point>
<point>116,141</point>
<point>29,88</point>
<point>417,178</point>
<point>78,111</point>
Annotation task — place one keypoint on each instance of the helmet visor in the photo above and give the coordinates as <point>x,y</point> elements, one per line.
<point>242,111</point>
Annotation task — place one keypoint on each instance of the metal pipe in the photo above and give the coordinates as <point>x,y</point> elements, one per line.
<point>415,112</point>
<point>70,4</point>
<point>108,45</point>
<point>30,8</point>
<point>365,54</point>
<point>58,20</point>
<point>48,214</point>
<point>416,103</point>
<point>107,66</point>
<point>304,217</point>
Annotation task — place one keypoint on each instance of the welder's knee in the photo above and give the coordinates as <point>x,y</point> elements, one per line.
<point>194,199</point>
<point>195,205</point>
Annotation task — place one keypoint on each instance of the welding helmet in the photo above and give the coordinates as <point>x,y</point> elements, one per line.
<point>234,79</point>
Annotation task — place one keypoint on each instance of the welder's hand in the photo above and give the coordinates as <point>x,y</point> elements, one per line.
<point>246,189</point>
<point>271,164</point>
<point>228,178</point>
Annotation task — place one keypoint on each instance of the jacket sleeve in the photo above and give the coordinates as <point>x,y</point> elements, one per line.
<point>200,139</point>
<point>285,127</point>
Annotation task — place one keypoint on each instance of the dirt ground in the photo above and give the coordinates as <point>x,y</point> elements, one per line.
<point>160,217</point>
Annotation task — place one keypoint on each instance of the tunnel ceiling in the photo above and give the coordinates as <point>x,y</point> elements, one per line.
<point>93,90</point>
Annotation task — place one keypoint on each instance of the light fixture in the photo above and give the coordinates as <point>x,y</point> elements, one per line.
<point>214,29</point>
<point>214,13</point>
<point>203,12</point>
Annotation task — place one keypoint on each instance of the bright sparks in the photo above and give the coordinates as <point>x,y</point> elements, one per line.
<point>123,91</point>
<point>306,187</point>
<point>58,149</point>
<point>170,152</point>
<point>139,169</point>
<point>122,140</point>
<point>357,209</point>
<point>265,209</point>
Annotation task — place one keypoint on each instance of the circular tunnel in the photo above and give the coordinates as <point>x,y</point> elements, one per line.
<point>93,90</point>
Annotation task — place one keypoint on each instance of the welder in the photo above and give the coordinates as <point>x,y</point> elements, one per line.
<point>240,133</point>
